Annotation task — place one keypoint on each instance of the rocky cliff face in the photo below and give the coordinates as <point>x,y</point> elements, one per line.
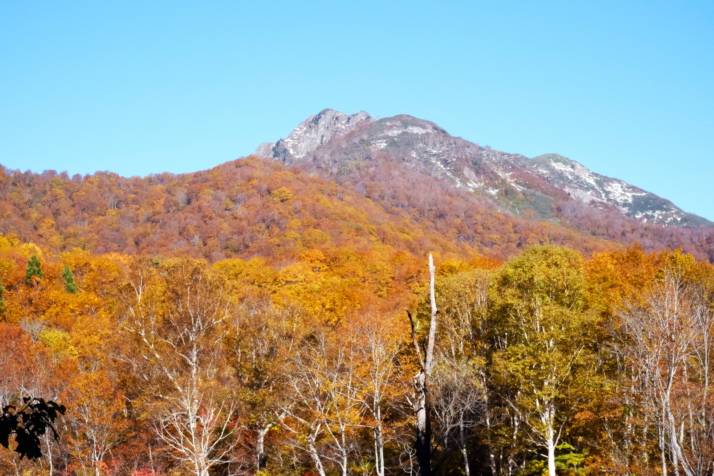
<point>597,190</point>
<point>312,133</point>
<point>336,144</point>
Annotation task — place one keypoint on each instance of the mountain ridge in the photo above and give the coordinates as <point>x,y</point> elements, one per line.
<point>399,183</point>
<point>550,178</point>
<point>246,208</point>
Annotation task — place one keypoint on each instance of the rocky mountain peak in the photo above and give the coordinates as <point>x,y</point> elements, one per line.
<point>312,133</point>
<point>336,144</point>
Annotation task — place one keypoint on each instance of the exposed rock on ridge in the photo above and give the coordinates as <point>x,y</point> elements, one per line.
<point>336,144</point>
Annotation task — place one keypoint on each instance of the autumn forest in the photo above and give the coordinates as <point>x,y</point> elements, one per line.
<point>356,239</point>
<point>255,319</point>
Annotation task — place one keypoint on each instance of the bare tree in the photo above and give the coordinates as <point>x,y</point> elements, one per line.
<point>326,408</point>
<point>668,339</point>
<point>422,379</point>
<point>179,322</point>
<point>457,401</point>
<point>376,340</point>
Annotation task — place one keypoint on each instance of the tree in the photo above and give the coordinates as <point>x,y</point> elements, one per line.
<point>68,279</point>
<point>179,320</point>
<point>97,424</point>
<point>261,346</point>
<point>459,398</point>
<point>34,271</point>
<point>543,355</point>
<point>325,410</point>
<point>667,344</point>
<point>379,345</point>
<point>421,402</point>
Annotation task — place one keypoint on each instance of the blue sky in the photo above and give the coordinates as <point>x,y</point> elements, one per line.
<point>626,88</point>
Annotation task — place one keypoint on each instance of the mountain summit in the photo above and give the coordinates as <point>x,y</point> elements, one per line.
<point>397,184</point>
<point>312,133</point>
<point>549,186</point>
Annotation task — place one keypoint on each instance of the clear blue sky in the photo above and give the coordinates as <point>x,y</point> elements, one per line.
<point>625,87</point>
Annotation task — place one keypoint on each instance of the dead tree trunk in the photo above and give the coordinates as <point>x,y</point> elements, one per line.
<point>422,444</point>
<point>261,459</point>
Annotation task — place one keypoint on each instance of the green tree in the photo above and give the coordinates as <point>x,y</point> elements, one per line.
<point>68,278</point>
<point>34,270</point>
<point>543,355</point>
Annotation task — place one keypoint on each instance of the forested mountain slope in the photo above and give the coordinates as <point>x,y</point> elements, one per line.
<point>256,207</point>
<point>340,180</point>
<point>284,306</point>
<point>382,158</point>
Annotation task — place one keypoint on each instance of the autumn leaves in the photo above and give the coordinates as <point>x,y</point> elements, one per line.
<point>550,362</point>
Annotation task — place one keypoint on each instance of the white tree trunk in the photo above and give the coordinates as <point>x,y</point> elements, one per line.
<point>551,455</point>
<point>423,423</point>
<point>260,457</point>
<point>315,456</point>
<point>378,449</point>
<point>48,442</point>
<point>463,445</point>
<point>548,419</point>
<point>487,415</point>
<point>662,450</point>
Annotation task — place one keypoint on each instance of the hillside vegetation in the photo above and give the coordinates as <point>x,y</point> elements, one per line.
<point>263,318</point>
<point>177,365</point>
<point>256,207</point>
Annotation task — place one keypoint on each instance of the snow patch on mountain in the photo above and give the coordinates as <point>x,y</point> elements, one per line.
<point>623,194</point>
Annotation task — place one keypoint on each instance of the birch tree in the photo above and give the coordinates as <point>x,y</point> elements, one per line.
<point>425,358</point>
<point>543,353</point>
<point>459,397</point>
<point>379,378</point>
<point>96,426</point>
<point>178,317</point>
<point>669,341</point>
<point>457,400</point>
<point>325,411</point>
<point>261,350</point>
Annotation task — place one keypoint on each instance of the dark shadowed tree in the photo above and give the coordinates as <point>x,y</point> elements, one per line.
<point>27,422</point>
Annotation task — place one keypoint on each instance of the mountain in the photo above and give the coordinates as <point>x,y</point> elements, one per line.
<point>334,143</point>
<point>246,208</point>
<point>392,186</point>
